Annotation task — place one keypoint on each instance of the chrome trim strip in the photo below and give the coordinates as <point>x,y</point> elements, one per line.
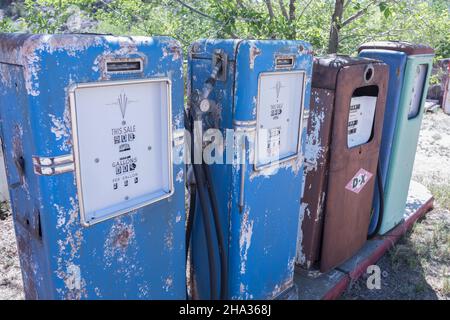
<point>125,60</point>
<point>49,166</point>
<point>278,58</point>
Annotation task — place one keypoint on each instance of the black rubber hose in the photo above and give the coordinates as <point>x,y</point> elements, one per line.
<point>207,229</point>
<point>200,183</point>
<point>381,211</point>
<point>190,221</point>
<point>192,191</point>
<point>192,202</point>
<point>207,224</point>
<point>219,234</point>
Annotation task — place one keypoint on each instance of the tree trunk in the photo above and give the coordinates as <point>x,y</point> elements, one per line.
<point>333,41</point>
<point>293,33</point>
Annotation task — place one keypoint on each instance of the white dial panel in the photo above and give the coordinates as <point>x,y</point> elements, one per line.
<point>279,112</point>
<point>122,146</point>
<point>360,120</point>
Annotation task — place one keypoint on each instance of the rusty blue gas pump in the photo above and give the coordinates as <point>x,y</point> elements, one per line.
<point>249,98</point>
<point>88,124</point>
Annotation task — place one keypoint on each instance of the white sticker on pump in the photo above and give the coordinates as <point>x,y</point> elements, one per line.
<point>279,109</point>
<point>122,146</point>
<point>360,120</point>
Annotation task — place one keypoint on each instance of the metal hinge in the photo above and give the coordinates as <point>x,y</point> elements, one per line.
<point>49,166</point>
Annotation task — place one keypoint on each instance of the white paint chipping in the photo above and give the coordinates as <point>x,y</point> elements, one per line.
<point>313,146</point>
<point>245,238</point>
<point>300,256</point>
<point>179,177</point>
<point>61,129</point>
<point>73,279</point>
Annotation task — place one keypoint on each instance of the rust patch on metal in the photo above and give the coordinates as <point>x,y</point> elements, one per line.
<point>120,237</point>
<point>173,49</point>
<point>123,237</point>
<point>120,249</point>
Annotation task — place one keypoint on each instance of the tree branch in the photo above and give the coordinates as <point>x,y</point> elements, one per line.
<point>197,11</point>
<point>304,9</point>
<point>291,10</point>
<point>269,8</point>
<point>283,9</point>
<point>206,16</point>
<point>358,14</point>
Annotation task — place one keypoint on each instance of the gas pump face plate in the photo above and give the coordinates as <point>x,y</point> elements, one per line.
<point>279,117</point>
<point>121,134</point>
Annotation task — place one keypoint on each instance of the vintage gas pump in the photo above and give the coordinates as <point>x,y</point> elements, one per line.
<point>344,131</point>
<point>410,67</point>
<point>98,204</point>
<point>249,98</point>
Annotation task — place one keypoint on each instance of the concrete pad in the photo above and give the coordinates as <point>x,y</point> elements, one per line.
<point>418,196</point>
<point>316,286</point>
<point>356,265</point>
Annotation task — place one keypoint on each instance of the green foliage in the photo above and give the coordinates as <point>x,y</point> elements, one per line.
<point>7,25</point>
<point>422,21</point>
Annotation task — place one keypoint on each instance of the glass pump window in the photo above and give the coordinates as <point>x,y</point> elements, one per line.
<point>279,112</point>
<point>121,132</point>
<point>420,76</point>
<point>361,116</point>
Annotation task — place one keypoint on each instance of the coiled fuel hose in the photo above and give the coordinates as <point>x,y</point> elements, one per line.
<point>203,179</point>
<point>381,200</point>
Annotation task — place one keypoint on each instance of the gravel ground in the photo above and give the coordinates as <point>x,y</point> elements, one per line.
<point>10,275</point>
<point>418,267</point>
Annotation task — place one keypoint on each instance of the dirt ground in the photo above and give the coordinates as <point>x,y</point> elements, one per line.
<point>418,267</point>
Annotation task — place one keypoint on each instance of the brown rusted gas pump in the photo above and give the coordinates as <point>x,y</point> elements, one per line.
<point>344,132</point>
